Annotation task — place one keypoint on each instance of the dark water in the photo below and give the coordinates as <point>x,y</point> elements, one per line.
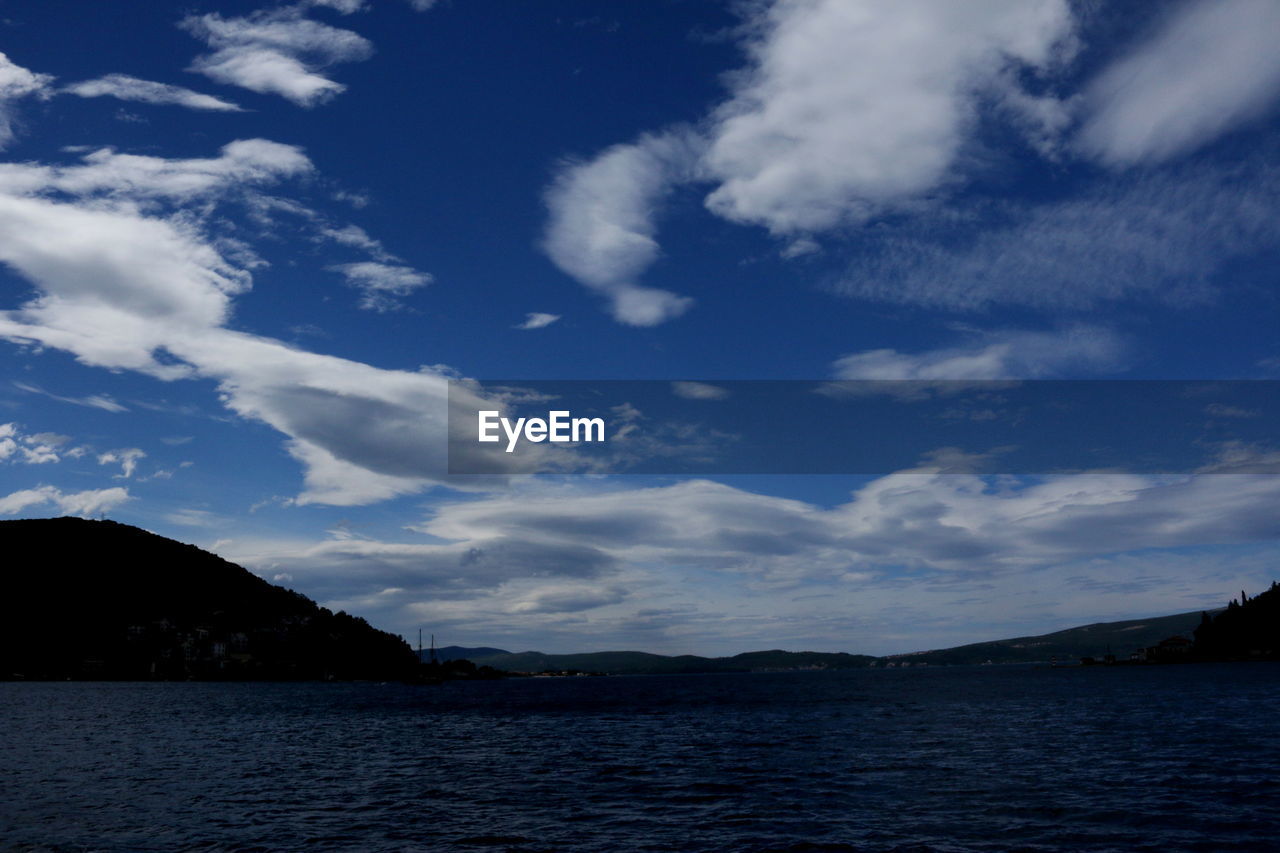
<point>1160,758</point>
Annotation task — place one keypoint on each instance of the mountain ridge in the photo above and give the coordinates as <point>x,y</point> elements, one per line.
<point>1067,645</point>
<point>103,600</point>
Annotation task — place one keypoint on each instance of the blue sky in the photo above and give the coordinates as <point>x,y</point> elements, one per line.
<point>244,246</point>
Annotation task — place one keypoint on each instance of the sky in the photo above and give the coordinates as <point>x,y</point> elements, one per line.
<point>245,247</point>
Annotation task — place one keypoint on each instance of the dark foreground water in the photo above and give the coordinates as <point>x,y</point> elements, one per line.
<point>1160,758</point>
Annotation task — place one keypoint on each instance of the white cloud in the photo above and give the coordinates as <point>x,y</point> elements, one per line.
<point>800,247</point>
<point>699,391</point>
<point>86,503</point>
<point>382,285</point>
<point>38,453</point>
<point>1208,68</point>
<point>118,284</point>
<point>243,164</point>
<point>95,401</point>
<point>127,458</point>
<point>34,448</point>
<point>998,355</point>
<point>345,7</point>
<point>849,107</point>
<point>602,223</point>
<point>1164,236</point>
<point>934,521</point>
<point>849,110</point>
<point>357,237</point>
<point>126,282</point>
<point>194,518</point>
<point>276,52</point>
<point>961,558</point>
<point>128,88</point>
<point>17,82</point>
<point>537,320</point>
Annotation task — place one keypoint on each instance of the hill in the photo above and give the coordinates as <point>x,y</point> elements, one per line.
<point>97,599</point>
<point>643,663</point>
<point>448,653</point>
<point>1248,629</point>
<point>1069,645</point>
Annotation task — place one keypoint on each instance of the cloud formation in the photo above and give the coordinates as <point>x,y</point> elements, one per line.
<point>1205,70</point>
<point>129,277</point>
<point>34,448</point>
<point>95,401</point>
<point>128,88</point>
<point>702,566</point>
<point>1164,236</point>
<point>126,457</point>
<point>16,83</point>
<point>851,107</point>
<point>602,227</point>
<point>537,320</point>
<point>382,285</point>
<point>998,355</point>
<point>277,51</point>
<point>846,109</point>
<point>85,504</point>
<point>850,112</point>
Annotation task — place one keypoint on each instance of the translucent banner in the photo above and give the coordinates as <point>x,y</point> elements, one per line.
<point>863,427</point>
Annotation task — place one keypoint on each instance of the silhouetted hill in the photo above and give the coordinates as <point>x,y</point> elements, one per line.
<point>1248,629</point>
<point>446,653</point>
<point>643,663</point>
<point>1069,645</point>
<point>97,599</point>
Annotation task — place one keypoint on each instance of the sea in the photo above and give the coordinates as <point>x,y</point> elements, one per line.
<point>1158,758</point>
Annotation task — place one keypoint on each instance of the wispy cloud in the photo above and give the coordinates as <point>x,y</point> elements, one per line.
<point>699,391</point>
<point>128,88</point>
<point>145,286</point>
<point>96,401</point>
<point>845,110</point>
<point>86,503</point>
<point>537,320</point>
<point>997,355</point>
<point>240,165</point>
<point>277,51</point>
<point>16,83</point>
<point>34,448</point>
<point>127,458</point>
<point>851,107</point>
<point>195,518</point>
<point>602,224</point>
<point>848,112</point>
<point>345,7</point>
<point>1162,236</point>
<point>1205,70</point>
<point>357,237</point>
<point>382,285</point>
<point>706,563</point>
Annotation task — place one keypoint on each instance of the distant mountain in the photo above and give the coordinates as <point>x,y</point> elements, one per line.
<point>1070,645</point>
<point>447,653</point>
<point>97,599</point>
<point>643,663</point>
